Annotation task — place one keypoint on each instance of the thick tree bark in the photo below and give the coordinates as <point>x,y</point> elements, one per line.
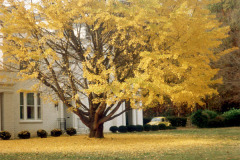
<point>96,133</point>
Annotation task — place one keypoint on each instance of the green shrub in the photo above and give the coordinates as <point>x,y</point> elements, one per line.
<point>232,117</point>
<point>147,127</point>
<point>131,128</point>
<point>155,128</point>
<point>139,128</point>
<point>122,129</point>
<point>170,127</point>
<point>24,135</point>
<point>146,120</point>
<point>162,126</point>
<point>218,121</point>
<point>178,121</point>
<point>199,119</point>
<point>113,129</point>
<point>56,132</point>
<point>210,114</point>
<point>206,118</point>
<point>41,133</point>
<point>5,135</point>
<point>71,131</point>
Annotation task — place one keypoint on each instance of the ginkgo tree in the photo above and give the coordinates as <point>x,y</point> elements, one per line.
<point>113,51</point>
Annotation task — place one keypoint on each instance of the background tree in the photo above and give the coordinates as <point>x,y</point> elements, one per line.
<point>108,52</point>
<point>228,12</point>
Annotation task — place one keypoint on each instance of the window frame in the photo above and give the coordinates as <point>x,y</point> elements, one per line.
<point>36,105</point>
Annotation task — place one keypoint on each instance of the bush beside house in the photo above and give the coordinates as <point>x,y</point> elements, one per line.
<point>42,133</point>
<point>24,135</point>
<point>113,129</point>
<point>56,132</point>
<point>5,135</point>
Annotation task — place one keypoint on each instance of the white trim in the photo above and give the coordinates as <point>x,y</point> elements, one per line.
<point>30,121</point>
<point>35,107</point>
<point>24,106</point>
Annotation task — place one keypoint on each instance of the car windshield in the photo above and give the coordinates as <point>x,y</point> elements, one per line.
<point>156,120</point>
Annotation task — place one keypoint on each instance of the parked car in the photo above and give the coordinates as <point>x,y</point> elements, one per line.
<point>160,120</point>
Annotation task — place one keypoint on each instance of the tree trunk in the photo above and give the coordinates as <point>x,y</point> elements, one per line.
<point>96,133</point>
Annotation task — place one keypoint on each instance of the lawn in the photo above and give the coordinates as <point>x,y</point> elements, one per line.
<point>221,143</point>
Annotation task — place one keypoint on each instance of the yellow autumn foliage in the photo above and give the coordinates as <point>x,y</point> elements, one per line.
<point>175,39</point>
<point>113,51</point>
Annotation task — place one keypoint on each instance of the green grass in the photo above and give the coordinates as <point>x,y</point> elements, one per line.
<point>180,144</point>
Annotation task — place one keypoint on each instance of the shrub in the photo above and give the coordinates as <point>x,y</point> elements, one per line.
<point>122,129</point>
<point>170,127</point>
<point>139,128</point>
<point>210,114</point>
<point>162,126</point>
<point>56,132</point>
<point>146,120</point>
<point>5,135</point>
<point>178,121</point>
<point>216,122</point>
<point>155,128</point>
<point>41,133</point>
<point>147,127</point>
<point>199,119</point>
<point>24,135</point>
<point>232,117</point>
<point>113,129</point>
<point>71,131</point>
<point>131,128</point>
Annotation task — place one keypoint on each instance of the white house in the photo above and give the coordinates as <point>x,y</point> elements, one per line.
<point>27,111</point>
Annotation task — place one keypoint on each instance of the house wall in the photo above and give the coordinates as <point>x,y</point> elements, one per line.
<point>8,118</point>
<point>10,111</point>
<point>10,98</point>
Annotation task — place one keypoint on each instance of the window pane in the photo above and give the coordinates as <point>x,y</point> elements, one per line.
<point>30,99</point>
<point>38,99</point>
<point>21,112</point>
<point>21,98</point>
<point>30,112</point>
<point>39,112</point>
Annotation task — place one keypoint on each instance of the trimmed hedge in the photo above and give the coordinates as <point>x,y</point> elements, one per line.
<point>24,135</point>
<point>56,132</point>
<point>41,133</point>
<point>155,128</point>
<point>5,135</point>
<point>131,128</point>
<point>113,129</point>
<point>178,121</point>
<point>71,131</point>
<point>162,126</point>
<point>139,128</point>
<point>147,127</point>
<point>122,129</point>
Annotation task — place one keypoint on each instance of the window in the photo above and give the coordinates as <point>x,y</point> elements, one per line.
<point>30,106</point>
